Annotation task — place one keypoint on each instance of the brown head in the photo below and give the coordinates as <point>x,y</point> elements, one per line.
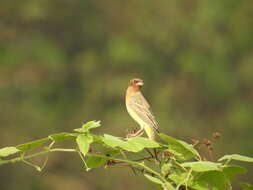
<point>136,84</point>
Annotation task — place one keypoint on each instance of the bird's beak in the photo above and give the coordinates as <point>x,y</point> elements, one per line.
<point>140,83</point>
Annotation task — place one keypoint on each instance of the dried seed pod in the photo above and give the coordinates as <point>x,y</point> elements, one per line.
<point>90,150</point>
<point>207,142</point>
<point>194,141</point>
<point>216,135</point>
<point>109,163</point>
<point>210,148</point>
<point>167,154</point>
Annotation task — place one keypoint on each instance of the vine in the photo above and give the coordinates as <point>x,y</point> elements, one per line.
<point>172,164</point>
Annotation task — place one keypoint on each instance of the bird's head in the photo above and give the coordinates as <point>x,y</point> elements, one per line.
<point>136,83</point>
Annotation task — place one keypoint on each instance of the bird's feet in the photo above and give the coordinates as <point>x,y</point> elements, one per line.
<point>135,133</point>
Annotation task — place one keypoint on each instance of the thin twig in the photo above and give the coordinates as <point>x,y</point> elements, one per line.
<point>141,159</point>
<point>133,163</point>
<point>156,156</point>
<point>149,152</point>
<point>210,154</point>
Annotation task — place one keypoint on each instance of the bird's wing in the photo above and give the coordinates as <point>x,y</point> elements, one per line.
<point>142,109</point>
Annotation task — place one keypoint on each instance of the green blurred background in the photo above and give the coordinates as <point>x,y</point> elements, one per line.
<point>65,62</point>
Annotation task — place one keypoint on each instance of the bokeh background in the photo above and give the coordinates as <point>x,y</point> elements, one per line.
<point>65,62</point>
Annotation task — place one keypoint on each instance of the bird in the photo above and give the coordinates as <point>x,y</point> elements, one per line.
<point>139,109</point>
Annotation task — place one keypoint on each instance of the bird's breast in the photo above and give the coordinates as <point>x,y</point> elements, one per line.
<point>134,115</point>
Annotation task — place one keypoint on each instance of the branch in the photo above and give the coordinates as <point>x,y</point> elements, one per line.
<point>134,163</point>
<point>21,158</point>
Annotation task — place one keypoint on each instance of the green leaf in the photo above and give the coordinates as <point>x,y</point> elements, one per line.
<point>91,125</point>
<point>98,139</point>
<point>32,145</point>
<point>232,171</point>
<point>2,162</point>
<point>168,186</point>
<point>246,186</point>
<point>134,144</point>
<point>113,142</point>
<point>216,179</point>
<point>80,130</point>
<point>87,126</point>
<point>190,148</point>
<point>83,142</point>
<point>179,177</point>
<point>202,166</point>
<point>95,161</point>
<point>6,151</point>
<point>153,179</point>
<point>145,142</point>
<point>198,185</point>
<point>62,136</point>
<point>165,168</point>
<point>236,157</point>
<point>111,152</point>
<point>180,148</point>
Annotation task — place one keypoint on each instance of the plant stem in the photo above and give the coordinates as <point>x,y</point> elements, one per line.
<point>142,165</point>
<point>134,163</point>
<point>18,159</point>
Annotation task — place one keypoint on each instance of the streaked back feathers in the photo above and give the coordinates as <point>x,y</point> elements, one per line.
<point>138,107</point>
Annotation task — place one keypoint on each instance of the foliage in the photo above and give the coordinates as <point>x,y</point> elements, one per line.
<point>64,61</point>
<point>173,165</point>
